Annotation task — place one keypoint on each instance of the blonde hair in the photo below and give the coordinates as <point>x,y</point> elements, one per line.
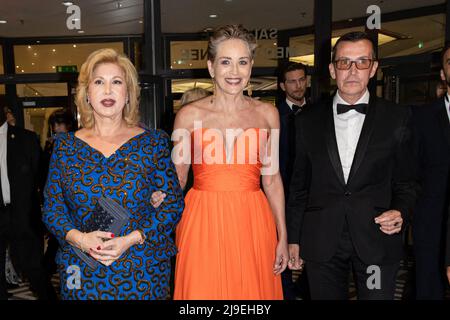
<point>192,95</point>
<point>131,110</point>
<point>233,31</point>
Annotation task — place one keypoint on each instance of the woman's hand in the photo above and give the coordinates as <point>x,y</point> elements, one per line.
<point>157,198</point>
<point>281,257</point>
<point>111,250</point>
<point>86,241</point>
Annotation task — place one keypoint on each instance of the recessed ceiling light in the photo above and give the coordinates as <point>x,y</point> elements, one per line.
<point>140,21</point>
<point>23,70</point>
<point>54,50</point>
<point>17,67</point>
<point>38,41</point>
<point>29,47</point>
<point>3,21</point>
<point>32,63</point>
<point>213,16</point>
<point>80,31</point>
<point>35,54</point>
<point>67,3</point>
<point>53,67</point>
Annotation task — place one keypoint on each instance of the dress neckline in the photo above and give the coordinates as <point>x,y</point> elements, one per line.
<point>115,151</point>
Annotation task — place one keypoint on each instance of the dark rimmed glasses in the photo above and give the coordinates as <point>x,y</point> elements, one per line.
<point>346,64</point>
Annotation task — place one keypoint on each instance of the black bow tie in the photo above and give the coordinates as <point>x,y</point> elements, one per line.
<point>360,107</point>
<point>296,108</point>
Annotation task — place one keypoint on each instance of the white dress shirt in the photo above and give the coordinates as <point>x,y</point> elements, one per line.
<point>447,105</point>
<point>348,127</point>
<point>290,103</point>
<point>4,164</point>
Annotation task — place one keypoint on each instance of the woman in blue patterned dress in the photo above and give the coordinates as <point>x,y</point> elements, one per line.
<point>112,157</point>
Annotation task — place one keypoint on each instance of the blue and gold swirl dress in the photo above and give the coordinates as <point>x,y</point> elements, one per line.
<point>78,176</point>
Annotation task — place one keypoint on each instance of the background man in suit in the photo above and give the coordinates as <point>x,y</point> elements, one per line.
<point>293,81</point>
<point>20,225</point>
<point>353,183</point>
<point>432,130</point>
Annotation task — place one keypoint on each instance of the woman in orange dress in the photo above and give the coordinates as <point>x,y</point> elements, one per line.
<point>232,238</point>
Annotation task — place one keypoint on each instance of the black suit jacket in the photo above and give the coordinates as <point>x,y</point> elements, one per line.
<point>287,143</point>
<point>381,178</point>
<point>23,154</point>
<point>432,131</point>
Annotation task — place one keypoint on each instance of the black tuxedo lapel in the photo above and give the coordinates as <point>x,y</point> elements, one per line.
<point>444,121</point>
<point>364,138</point>
<point>330,137</point>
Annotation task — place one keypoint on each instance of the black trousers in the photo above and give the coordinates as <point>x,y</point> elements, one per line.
<point>26,249</point>
<point>330,280</point>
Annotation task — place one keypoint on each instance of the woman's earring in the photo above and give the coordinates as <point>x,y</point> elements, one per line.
<point>249,89</point>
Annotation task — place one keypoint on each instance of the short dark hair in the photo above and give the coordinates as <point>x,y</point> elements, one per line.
<point>444,50</point>
<point>291,66</point>
<point>61,116</point>
<point>354,37</point>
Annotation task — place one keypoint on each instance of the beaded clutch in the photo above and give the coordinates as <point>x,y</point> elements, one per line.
<point>108,216</point>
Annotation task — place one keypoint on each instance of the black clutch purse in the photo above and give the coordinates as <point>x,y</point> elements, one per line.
<point>108,216</point>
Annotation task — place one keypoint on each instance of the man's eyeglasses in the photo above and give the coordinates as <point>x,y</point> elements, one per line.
<point>346,64</point>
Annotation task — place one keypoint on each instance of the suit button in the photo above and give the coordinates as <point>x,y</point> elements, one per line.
<point>347,193</point>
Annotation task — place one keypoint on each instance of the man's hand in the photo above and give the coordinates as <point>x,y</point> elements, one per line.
<point>295,262</point>
<point>390,221</point>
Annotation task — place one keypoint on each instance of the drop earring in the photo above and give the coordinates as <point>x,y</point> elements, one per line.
<point>250,89</point>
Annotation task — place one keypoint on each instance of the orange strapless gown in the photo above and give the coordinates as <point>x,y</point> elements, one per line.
<point>227,235</point>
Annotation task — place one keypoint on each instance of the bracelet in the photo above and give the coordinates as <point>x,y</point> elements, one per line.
<point>143,237</point>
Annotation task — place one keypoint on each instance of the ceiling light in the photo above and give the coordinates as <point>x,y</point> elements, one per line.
<point>32,63</point>
<point>29,47</point>
<point>23,70</point>
<point>67,3</point>
<point>53,67</point>
<point>3,21</point>
<point>140,21</point>
<point>54,50</point>
<point>119,5</point>
<point>35,54</point>
<point>213,16</point>
<point>17,67</point>
<point>80,31</point>
<point>38,41</point>
<point>74,46</point>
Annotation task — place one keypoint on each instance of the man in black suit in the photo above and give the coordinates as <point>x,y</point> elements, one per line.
<point>432,130</point>
<point>20,225</point>
<point>293,81</point>
<point>353,185</point>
